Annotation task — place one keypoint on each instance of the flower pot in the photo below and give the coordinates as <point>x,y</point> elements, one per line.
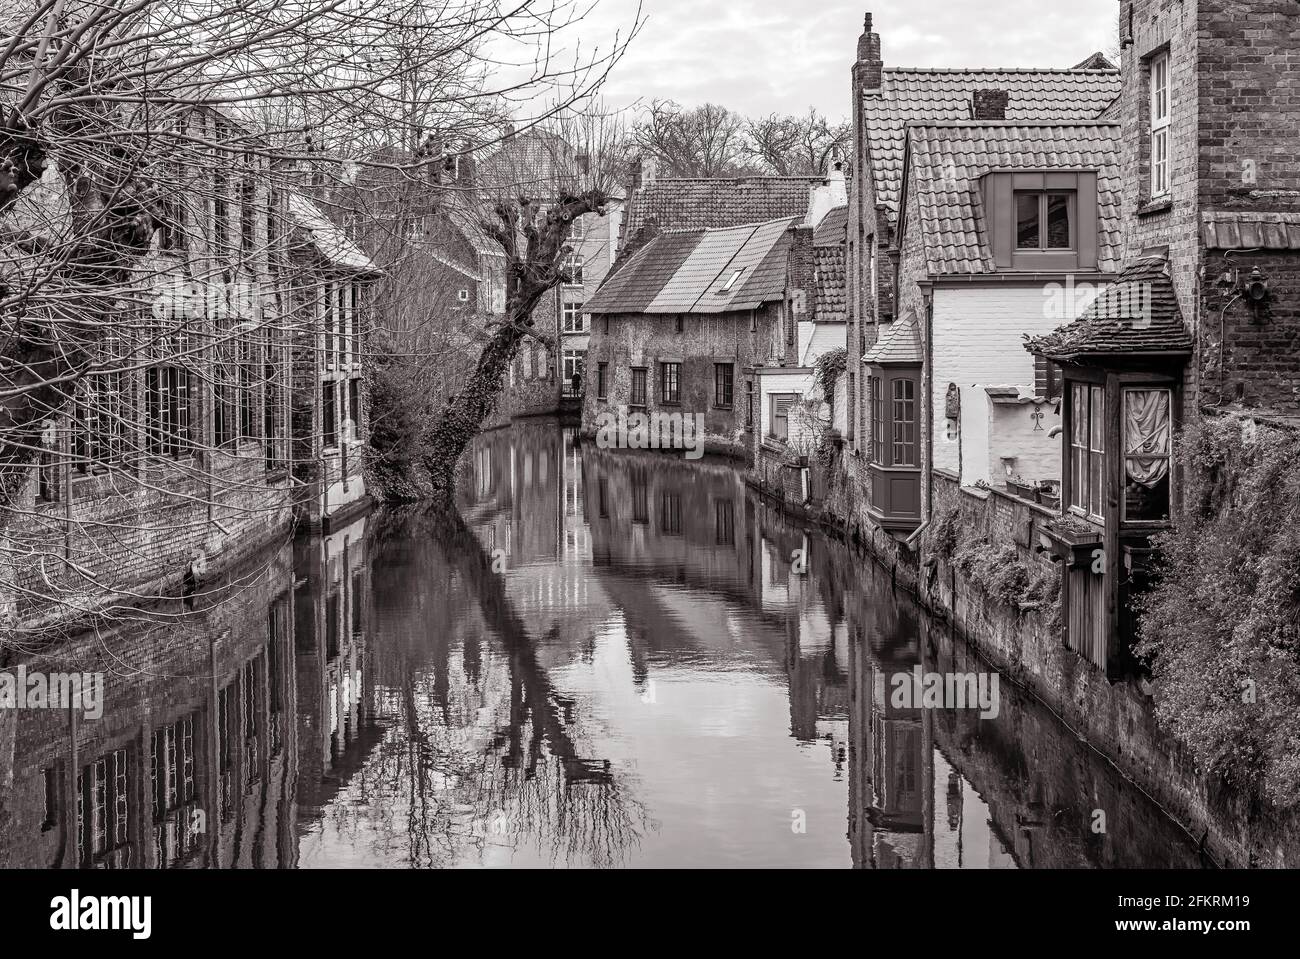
<point>1023,490</point>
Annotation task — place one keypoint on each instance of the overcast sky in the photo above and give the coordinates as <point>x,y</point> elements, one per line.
<point>763,56</point>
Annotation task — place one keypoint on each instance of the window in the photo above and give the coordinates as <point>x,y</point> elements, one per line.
<point>680,323</point>
<point>573,367</point>
<point>573,269</point>
<point>670,512</point>
<point>354,407</point>
<point>329,414</point>
<point>248,389</point>
<point>724,522</point>
<point>732,280</point>
<point>273,404</point>
<point>100,428</point>
<point>167,411</point>
<point>1147,431</point>
<point>1158,79</point>
<point>1043,221</point>
<point>573,321</point>
<point>723,374</point>
<point>877,413</point>
<point>638,386</point>
<point>781,405</point>
<point>601,387</point>
<point>749,404</point>
<point>904,413</point>
<point>247,197</point>
<point>670,382</point>
<point>852,406</point>
<point>1047,378</point>
<point>1087,447</point>
<point>462,296</point>
<point>577,228</point>
<point>640,502</point>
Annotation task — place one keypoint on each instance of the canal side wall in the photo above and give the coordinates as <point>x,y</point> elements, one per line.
<point>1025,644</point>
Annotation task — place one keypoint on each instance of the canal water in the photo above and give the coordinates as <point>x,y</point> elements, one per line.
<point>610,658</point>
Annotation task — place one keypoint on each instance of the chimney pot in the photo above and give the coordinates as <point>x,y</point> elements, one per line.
<point>989,104</point>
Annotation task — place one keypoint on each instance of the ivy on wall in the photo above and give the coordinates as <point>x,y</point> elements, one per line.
<point>1220,628</point>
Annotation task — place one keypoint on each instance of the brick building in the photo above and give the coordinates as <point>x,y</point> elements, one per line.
<point>886,101</point>
<point>1203,319</point>
<point>177,456</point>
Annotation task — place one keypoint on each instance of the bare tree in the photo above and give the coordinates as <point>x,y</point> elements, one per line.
<point>705,141</point>
<point>138,140</point>
<point>796,145</point>
<point>538,184</point>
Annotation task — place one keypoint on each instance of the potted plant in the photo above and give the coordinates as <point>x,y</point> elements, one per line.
<point>1018,487</point>
<point>1048,493</point>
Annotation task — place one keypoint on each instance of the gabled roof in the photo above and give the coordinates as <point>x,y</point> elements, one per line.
<point>901,343</point>
<point>691,271</point>
<point>916,95</point>
<point>949,159</point>
<point>328,238</point>
<point>833,230</point>
<point>700,204</point>
<point>1250,230</point>
<point>1137,314</point>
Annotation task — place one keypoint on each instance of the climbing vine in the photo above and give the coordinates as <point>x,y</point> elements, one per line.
<point>1220,627</point>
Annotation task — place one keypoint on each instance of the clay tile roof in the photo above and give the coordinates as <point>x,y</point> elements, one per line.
<point>688,271</point>
<point>830,303</point>
<point>700,204</point>
<point>1136,314</point>
<point>949,159</point>
<point>901,343</point>
<point>833,230</point>
<point>916,95</point>
<point>1250,230</point>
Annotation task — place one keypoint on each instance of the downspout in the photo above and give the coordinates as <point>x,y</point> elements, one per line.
<point>914,538</point>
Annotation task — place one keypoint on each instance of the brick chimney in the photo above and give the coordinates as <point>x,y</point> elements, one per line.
<point>869,67</point>
<point>990,104</point>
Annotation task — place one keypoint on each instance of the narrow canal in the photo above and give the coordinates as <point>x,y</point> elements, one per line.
<point>616,659</point>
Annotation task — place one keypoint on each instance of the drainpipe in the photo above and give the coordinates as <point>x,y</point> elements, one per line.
<point>927,374</point>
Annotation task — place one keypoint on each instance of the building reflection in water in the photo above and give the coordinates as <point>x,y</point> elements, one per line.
<point>616,658</point>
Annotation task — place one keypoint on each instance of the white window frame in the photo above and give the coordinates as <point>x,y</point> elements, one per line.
<point>572,319</point>
<point>573,267</point>
<point>1160,123</point>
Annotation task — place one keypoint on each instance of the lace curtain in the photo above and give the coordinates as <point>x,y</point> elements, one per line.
<point>1146,435</point>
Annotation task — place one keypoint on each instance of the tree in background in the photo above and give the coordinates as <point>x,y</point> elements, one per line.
<point>704,141</point>
<point>796,145</point>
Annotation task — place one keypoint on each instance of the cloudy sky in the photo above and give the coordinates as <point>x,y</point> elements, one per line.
<point>761,56</point>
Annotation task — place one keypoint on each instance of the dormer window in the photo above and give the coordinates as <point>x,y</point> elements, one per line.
<point>1042,221</point>
<point>731,280</point>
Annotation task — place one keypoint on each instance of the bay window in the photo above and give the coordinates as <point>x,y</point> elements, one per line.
<point>1087,448</point>
<point>1147,434</point>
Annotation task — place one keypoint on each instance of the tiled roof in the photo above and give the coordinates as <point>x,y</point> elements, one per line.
<point>1251,230</point>
<point>949,159</point>
<point>829,287</point>
<point>901,343</point>
<point>328,238</point>
<point>701,204</point>
<point>1138,313</point>
<point>685,272</point>
<point>833,230</point>
<point>912,95</point>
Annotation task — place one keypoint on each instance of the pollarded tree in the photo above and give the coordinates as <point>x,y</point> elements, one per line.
<point>539,183</point>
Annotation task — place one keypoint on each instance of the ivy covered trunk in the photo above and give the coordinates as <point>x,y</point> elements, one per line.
<point>535,246</point>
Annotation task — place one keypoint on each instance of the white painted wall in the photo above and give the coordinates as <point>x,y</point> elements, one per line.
<point>978,341</point>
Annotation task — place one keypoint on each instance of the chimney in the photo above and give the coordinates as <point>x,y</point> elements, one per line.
<point>508,133</point>
<point>828,194</point>
<point>990,104</point>
<point>869,67</point>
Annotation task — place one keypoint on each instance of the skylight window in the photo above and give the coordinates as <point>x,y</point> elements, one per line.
<point>731,280</point>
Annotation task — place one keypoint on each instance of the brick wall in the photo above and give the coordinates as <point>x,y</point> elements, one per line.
<point>644,340</point>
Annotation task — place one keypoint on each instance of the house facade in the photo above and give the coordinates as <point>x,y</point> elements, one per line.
<point>891,419</point>
<point>1202,321</point>
<point>182,453</point>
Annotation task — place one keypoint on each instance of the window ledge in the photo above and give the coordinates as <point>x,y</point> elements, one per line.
<point>1160,205</point>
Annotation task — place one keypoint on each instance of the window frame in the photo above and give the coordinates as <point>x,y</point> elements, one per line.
<point>573,266</point>
<point>1044,197</point>
<point>1124,454</point>
<point>601,385</point>
<point>572,319</point>
<point>724,399</point>
<point>640,375</point>
<point>1159,124</point>
<point>775,398</point>
<point>1087,438</point>
<point>671,397</point>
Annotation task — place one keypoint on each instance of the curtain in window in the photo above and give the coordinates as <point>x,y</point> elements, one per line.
<point>1146,435</point>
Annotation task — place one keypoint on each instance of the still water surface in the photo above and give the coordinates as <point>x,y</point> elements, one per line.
<point>615,659</point>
